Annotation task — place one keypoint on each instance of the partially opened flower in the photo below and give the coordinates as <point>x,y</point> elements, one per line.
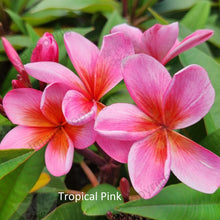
<point>163,105</point>
<point>161,41</point>
<point>40,121</point>
<point>99,72</point>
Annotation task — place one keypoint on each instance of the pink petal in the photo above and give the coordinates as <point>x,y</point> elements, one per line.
<point>123,121</point>
<point>189,97</point>
<point>83,54</point>
<point>26,137</point>
<point>51,72</point>
<point>22,107</point>
<point>190,41</point>
<point>51,102</point>
<point>159,39</point>
<point>149,164</point>
<point>59,154</point>
<point>77,109</point>
<point>194,165</point>
<point>116,149</point>
<point>108,74</point>
<point>146,80</point>
<point>82,136</point>
<point>133,33</point>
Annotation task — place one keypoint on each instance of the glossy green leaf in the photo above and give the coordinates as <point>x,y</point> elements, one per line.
<point>114,19</point>
<point>16,186</point>
<point>69,210</point>
<point>197,17</point>
<point>176,202</point>
<point>101,199</point>
<point>170,5</point>
<point>17,20</point>
<point>212,142</point>
<point>77,5</point>
<point>196,56</point>
<point>11,159</point>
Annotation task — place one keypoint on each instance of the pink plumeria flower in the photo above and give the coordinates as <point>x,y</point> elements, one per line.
<point>99,72</point>
<point>40,121</point>
<point>161,41</point>
<point>46,49</point>
<point>163,105</point>
<point>14,58</point>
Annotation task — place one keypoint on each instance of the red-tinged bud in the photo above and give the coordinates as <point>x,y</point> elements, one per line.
<point>16,84</point>
<point>2,111</point>
<point>124,188</point>
<point>46,49</point>
<point>16,61</point>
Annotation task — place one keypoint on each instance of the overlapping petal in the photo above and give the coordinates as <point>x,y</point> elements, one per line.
<point>51,72</point>
<point>51,102</point>
<point>77,109</point>
<point>124,122</point>
<point>133,33</point>
<point>146,80</point>
<point>159,39</point>
<point>82,136</point>
<point>194,165</point>
<point>116,149</point>
<point>108,74</point>
<point>27,137</point>
<point>189,97</point>
<point>187,43</point>
<point>83,54</point>
<point>149,164</point>
<point>22,107</point>
<point>59,154</point>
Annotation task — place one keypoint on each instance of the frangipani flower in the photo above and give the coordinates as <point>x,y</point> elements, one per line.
<point>40,121</point>
<point>163,105</point>
<point>99,72</point>
<point>161,41</point>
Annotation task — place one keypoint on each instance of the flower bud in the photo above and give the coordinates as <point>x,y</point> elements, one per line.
<point>16,84</point>
<point>46,49</point>
<point>124,188</point>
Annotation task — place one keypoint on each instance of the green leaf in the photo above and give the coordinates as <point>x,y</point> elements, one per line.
<point>69,210</point>
<point>18,42</point>
<point>197,17</point>
<point>114,19</point>
<point>11,159</point>
<point>17,20</point>
<point>215,39</point>
<point>158,17</point>
<point>89,6</point>
<point>32,33</point>
<point>176,202</point>
<point>16,186</point>
<point>196,56</point>
<point>4,121</point>
<point>212,142</point>
<point>170,5</point>
<point>101,199</point>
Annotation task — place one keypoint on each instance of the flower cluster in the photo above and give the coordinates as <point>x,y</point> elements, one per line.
<point>68,114</point>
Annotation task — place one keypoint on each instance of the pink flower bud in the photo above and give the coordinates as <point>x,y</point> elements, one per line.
<point>17,84</point>
<point>124,188</point>
<point>46,49</point>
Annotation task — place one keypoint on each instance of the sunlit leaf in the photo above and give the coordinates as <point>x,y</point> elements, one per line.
<point>43,180</point>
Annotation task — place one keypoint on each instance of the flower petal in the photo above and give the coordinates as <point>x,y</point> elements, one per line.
<point>187,43</point>
<point>59,154</point>
<point>26,137</point>
<point>51,72</point>
<point>82,136</point>
<point>149,164</point>
<point>123,121</point>
<point>188,98</point>
<point>133,33</point>
<point>159,39</point>
<point>22,107</point>
<point>83,54</point>
<point>116,149</point>
<point>77,109</point>
<point>146,80</point>
<point>194,165</point>
<point>51,102</point>
<point>108,74</point>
